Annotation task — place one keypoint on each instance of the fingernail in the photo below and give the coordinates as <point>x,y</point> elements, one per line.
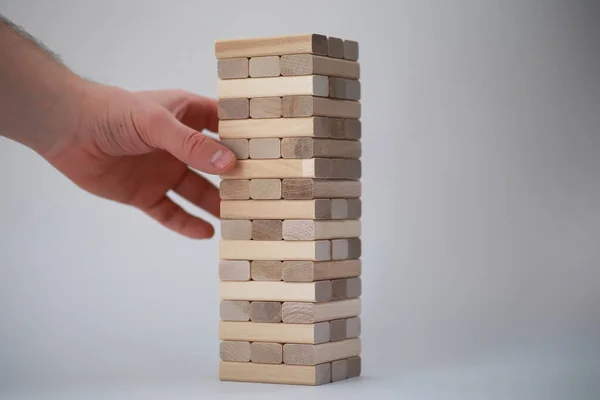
<point>221,159</point>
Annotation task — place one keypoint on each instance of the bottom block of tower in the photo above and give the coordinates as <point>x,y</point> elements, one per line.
<point>275,373</point>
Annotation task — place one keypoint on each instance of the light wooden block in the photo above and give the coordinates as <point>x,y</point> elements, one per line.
<point>342,249</point>
<point>345,208</point>
<point>314,354</point>
<point>337,330</point>
<point>294,312</point>
<point>272,46</point>
<point>342,88</point>
<point>293,105</point>
<point>234,270</point>
<point>339,370</point>
<point>265,189</point>
<point>240,147</point>
<point>335,47</point>
<point>351,50</point>
<point>353,367</point>
<point>238,189</point>
<point>352,129</point>
<point>317,230</point>
<point>232,68</point>
<point>266,353</point>
<point>353,327</point>
<point>266,270</point>
<point>236,351</point>
<point>275,373</point>
<point>267,229</point>
<point>346,288</point>
<point>308,147</point>
<point>265,311</point>
<point>261,67</point>
<point>276,291</point>
<point>234,310</point>
<point>233,109</point>
<point>308,85</point>
<point>278,333</point>
<point>265,107</point>
<point>274,127</point>
<point>280,168</point>
<point>308,188</point>
<point>276,209</point>
<point>236,229</point>
<point>310,271</point>
<point>307,64</point>
<point>264,148</point>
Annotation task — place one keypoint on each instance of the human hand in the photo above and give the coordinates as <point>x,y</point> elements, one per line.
<point>135,147</point>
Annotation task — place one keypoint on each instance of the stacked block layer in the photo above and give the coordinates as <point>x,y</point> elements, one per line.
<point>290,250</point>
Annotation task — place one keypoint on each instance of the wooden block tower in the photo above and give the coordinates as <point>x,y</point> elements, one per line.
<point>290,249</point>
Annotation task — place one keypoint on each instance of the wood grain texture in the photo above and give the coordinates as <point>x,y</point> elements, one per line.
<point>312,43</point>
<point>310,271</point>
<point>293,105</point>
<point>351,50</point>
<point>265,148</point>
<point>261,67</point>
<point>294,312</point>
<point>234,310</point>
<point>238,189</point>
<point>280,168</point>
<point>338,330</point>
<point>309,85</point>
<point>275,127</point>
<point>266,353</point>
<point>234,270</point>
<point>279,333</point>
<point>318,250</point>
<point>339,370</point>
<point>307,64</point>
<point>353,327</point>
<point>240,147</point>
<point>342,249</point>
<point>265,311</point>
<point>233,109</point>
<point>232,68</point>
<point>335,47</point>
<point>316,230</point>
<point>309,188</point>
<point>276,209</point>
<point>275,373</point>
<point>265,107</point>
<point>265,189</point>
<point>237,351</point>
<point>267,229</point>
<point>353,367</point>
<point>314,354</point>
<point>308,147</point>
<point>236,229</point>
<point>266,270</point>
<point>310,292</point>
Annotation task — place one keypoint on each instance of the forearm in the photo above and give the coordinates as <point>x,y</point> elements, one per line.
<point>40,98</point>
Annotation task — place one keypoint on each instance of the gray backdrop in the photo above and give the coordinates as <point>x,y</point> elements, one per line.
<point>481,221</point>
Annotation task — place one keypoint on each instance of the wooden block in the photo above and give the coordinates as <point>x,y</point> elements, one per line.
<point>280,168</point>
<point>276,291</point>
<point>236,229</point>
<point>339,370</point>
<point>353,327</point>
<point>261,67</point>
<point>310,271</point>
<point>234,270</point>
<point>265,148</point>
<point>308,105</point>
<point>238,189</point>
<point>266,270</point>
<point>354,207</point>
<point>342,88</point>
<point>266,353</point>
<point>275,373</point>
<point>353,91</point>
<point>337,330</point>
<point>307,64</point>
<point>265,311</point>
<point>308,188</point>
<point>314,354</point>
<point>309,85</point>
<point>235,351</point>
<point>265,189</point>
<point>345,208</point>
<point>352,129</point>
<point>265,107</point>
<point>351,50</point>
<point>272,46</point>
<point>240,147</point>
<point>354,367</point>
<point>279,333</point>
<point>233,68</point>
<point>234,310</point>
<point>308,147</point>
<point>294,312</point>
<point>338,128</point>
<point>341,168</point>
<point>274,127</point>
<point>267,229</point>
<point>233,109</point>
<point>343,249</point>
<point>353,169</point>
<point>276,209</point>
<point>346,288</point>
<point>335,47</point>
<point>308,229</point>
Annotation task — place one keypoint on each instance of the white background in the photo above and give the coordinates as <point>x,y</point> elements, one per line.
<point>481,222</point>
